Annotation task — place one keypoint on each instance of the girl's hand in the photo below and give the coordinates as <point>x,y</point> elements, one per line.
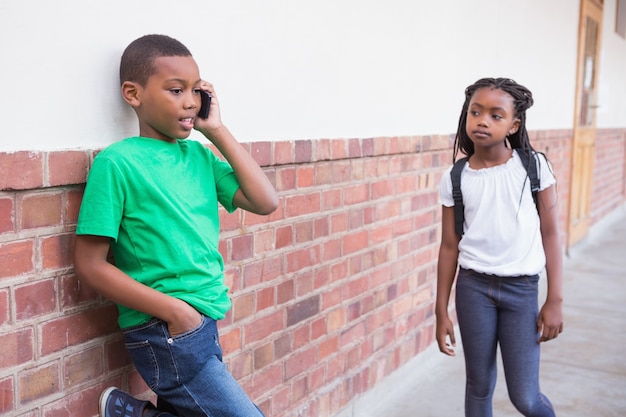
<point>550,321</point>
<point>445,329</point>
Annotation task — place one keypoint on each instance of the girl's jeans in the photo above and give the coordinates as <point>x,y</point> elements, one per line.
<point>187,372</point>
<point>503,310</point>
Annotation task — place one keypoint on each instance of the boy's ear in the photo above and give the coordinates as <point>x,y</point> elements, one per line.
<point>131,93</point>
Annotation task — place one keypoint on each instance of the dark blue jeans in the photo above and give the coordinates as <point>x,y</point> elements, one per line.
<point>187,372</point>
<point>502,310</point>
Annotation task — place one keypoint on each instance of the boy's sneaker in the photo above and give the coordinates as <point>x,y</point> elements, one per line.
<point>117,403</point>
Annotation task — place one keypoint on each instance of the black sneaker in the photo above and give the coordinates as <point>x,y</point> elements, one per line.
<point>117,403</point>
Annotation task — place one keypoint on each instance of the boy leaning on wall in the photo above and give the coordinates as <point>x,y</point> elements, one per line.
<point>153,200</point>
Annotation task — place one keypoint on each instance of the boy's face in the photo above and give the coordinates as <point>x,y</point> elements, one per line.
<point>169,102</point>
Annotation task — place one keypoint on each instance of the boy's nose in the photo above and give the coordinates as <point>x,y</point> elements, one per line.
<point>192,101</point>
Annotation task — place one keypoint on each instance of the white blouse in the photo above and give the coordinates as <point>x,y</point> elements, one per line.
<point>502,235</point>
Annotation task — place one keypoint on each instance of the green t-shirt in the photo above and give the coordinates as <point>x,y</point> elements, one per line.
<point>158,202</point>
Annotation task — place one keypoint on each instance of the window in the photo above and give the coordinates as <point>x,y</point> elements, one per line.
<point>620,18</point>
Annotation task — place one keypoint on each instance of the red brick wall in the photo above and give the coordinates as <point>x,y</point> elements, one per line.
<point>331,293</point>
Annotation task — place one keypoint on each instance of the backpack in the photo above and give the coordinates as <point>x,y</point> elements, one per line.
<point>459,217</point>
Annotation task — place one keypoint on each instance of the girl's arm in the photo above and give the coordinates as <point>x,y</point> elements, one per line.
<point>446,271</point>
<point>92,268</point>
<point>550,321</point>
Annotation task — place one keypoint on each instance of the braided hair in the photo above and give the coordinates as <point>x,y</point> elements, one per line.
<point>522,101</point>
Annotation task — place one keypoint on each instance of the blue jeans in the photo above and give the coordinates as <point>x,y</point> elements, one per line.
<point>187,372</point>
<point>503,310</point>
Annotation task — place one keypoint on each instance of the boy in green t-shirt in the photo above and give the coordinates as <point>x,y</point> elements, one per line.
<point>153,200</point>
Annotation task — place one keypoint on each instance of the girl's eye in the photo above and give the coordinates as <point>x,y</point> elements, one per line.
<point>197,90</point>
<point>474,113</point>
<point>176,90</point>
<point>497,116</point>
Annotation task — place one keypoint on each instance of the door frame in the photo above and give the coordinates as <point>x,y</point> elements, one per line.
<point>584,136</point>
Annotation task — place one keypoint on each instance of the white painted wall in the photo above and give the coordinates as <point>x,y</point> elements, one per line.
<point>612,78</point>
<point>288,69</point>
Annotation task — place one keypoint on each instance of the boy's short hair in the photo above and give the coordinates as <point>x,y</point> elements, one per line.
<point>137,64</point>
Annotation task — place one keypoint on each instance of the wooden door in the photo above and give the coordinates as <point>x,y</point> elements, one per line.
<point>589,31</point>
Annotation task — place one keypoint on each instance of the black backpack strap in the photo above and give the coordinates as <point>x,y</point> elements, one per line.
<point>459,208</point>
<point>530,164</point>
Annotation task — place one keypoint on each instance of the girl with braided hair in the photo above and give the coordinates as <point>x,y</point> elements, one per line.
<point>506,243</point>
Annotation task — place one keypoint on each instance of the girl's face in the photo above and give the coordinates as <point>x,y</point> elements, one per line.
<point>490,117</point>
<point>170,99</point>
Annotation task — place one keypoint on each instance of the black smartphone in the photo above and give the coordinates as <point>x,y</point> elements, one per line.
<point>205,100</point>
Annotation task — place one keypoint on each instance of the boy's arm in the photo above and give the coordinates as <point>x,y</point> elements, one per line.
<point>256,194</point>
<point>550,321</point>
<point>446,271</point>
<point>92,267</point>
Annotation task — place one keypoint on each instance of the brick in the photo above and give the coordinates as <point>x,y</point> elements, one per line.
<point>285,179</point>
<point>243,306</point>
<point>299,205</point>
<point>328,347</point>
<point>263,327</point>
<point>243,247</point>
<point>283,152</point>
<point>116,356</point>
<point>354,148</point>
<point>72,205</point>
<point>83,366</point>
<point>74,292</point>
<point>323,174</point>
<point>338,148</point>
<point>303,258</point>
<point>265,298</point>
<point>67,167</point>
<point>304,283</point>
<point>282,346</point>
<point>303,151</point>
<point>301,336</point>
<point>299,362</point>
<point>280,401</point>
<point>261,152</point>
<point>356,194</point>
<point>321,227</point>
<point>21,170</point>
<point>17,348</point>
<point>264,381</point>
<point>305,176</point>
<point>4,306</point>
<point>230,341</point>
<point>7,215</point>
<point>263,356</point>
<point>354,242</point>
<point>78,328</point>
<point>240,365</point>
<point>39,382</point>
<point>56,251</point>
<point>263,241</point>
<point>331,250</point>
<point>322,150</point>
<point>80,403</point>
<point>304,231</point>
<point>264,270</point>
<point>7,391</point>
<point>299,389</point>
<point>284,236</point>
<point>35,299</point>
<point>16,258</point>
